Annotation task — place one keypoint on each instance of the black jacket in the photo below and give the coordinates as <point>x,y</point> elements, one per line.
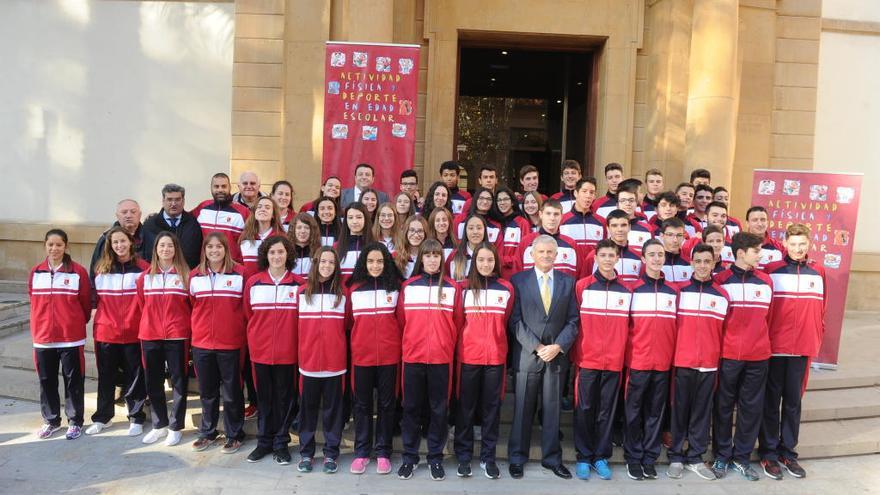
<point>139,247</point>
<point>188,231</point>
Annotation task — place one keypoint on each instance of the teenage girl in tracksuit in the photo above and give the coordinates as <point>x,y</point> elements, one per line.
<point>116,324</point>
<point>60,308</point>
<point>270,308</point>
<point>164,332</point>
<point>323,325</point>
<point>482,353</point>
<point>218,341</point>
<point>354,233</point>
<point>429,309</point>
<point>373,290</point>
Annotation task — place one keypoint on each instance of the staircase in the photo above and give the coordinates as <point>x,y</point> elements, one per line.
<point>841,409</point>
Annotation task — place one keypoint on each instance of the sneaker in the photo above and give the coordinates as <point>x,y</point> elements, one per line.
<point>173,438</point>
<point>359,465</point>
<point>582,470</point>
<point>305,465</point>
<point>602,469</point>
<point>437,471</point>
<point>231,446</point>
<point>154,435</point>
<point>702,470</point>
<point>634,471</point>
<point>73,432</point>
<point>330,466</point>
<point>675,470</point>
<point>97,427</point>
<point>649,471</point>
<point>258,453</point>
<point>490,469</point>
<point>250,412</point>
<point>464,470</point>
<point>772,469</point>
<point>202,443</point>
<point>793,468</point>
<point>135,429</point>
<point>281,456</point>
<point>746,470</point>
<point>406,471</point>
<point>47,431</point>
<point>383,465</point>
<point>720,468</point>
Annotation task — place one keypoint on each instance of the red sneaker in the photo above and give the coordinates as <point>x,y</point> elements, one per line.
<point>250,411</point>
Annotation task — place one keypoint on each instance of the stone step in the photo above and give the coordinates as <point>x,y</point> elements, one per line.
<point>14,286</point>
<point>14,325</point>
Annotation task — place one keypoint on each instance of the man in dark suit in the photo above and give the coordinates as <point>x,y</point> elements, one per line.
<point>174,218</point>
<point>544,322</point>
<point>364,176</point>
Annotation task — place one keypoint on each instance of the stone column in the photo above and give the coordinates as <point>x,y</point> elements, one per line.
<point>713,88</point>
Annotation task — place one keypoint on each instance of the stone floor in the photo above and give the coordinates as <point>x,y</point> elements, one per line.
<point>115,463</point>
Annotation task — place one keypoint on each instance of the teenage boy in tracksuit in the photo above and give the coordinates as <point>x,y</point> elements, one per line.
<point>702,308</point>
<point>745,353</point>
<point>649,358</point>
<point>797,324</point>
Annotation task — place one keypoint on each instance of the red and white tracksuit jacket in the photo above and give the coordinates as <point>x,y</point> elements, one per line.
<point>430,318</point>
<point>483,339</point>
<point>566,199</point>
<point>604,326</point>
<point>652,332</point>
<point>272,320</point>
<point>605,204</point>
<point>628,267</point>
<point>639,233</point>
<point>250,249</point>
<point>61,305</point>
<point>228,219</point>
<point>323,332</point>
<point>797,311</point>
<point>217,313</point>
<point>515,228</point>
<point>348,259</point>
<point>458,199</point>
<point>493,228</point>
<point>771,250</point>
<point>452,266</point>
<point>746,336</point>
<point>702,310</point>
<point>118,314</point>
<point>587,229</point>
<point>569,257</point>
<point>165,306</point>
<point>303,261</point>
<point>375,333</point>
<point>676,268</point>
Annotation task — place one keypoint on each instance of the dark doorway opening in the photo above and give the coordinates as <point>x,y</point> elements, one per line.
<point>521,107</point>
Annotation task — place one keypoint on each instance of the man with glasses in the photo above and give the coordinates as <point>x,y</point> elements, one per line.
<point>409,184</point>
<point>639,230</point>
<point>173,218</point>
<point>675,268</point>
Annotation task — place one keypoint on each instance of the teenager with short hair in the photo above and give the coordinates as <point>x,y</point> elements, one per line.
<point>569,177</point>
<point>700,176</point>
<point>608,202</point>
<point>449,171</point>
<point>654,186</point>
<point>667,207</point>
<point>639,229</point>
<point>629,262</point>
<point>569,257</point>
<point>581,224</point>
<point>676,268</point>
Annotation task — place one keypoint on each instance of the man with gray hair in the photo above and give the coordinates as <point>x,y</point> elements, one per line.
<point>544,324</point>
<point>174,218</point>
<point>248,189</point>
<point>128,216</point>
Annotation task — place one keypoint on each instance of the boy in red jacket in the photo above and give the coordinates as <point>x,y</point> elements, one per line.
<point>797,324</point>
<point>745,351</point>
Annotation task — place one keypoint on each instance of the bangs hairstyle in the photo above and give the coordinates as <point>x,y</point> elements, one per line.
<point>314,241</point>
<point>252,226</point>
<point>430,246</point>
<point>205,265</point>
<point>315,286</point>
<point>263,252</point>
<point>742,241</point>
<point>177,262</point>
<point>460,256</point>
<point>108,255</point>
<point>709,230</point>
<point>477,282</point>
<point>390,278</point>
<point>797,229</point>
<point>343,243</point>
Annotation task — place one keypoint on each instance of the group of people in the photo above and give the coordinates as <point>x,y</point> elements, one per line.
<point>653,309</point>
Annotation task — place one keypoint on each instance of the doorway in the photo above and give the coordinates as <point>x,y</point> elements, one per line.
<point>521,107</point>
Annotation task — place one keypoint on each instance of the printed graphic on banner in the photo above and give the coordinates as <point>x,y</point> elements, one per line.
<point>369,110</point>
<point>828,204</point>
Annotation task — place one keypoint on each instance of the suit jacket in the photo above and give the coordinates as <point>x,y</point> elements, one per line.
<point>530,325</point>
<point>347,197</point>
<point>188,231</point>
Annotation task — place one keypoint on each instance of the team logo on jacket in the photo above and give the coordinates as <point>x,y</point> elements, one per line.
<point>711,304</point>
<point>290,294</point>
<point>565,256</point>
<point>442,296</point>
<point>177,282</point>
<point>669,303</point>
<point>66,281</point>
<point>229,283</point>
<point>388,299</point>
<point>500,299</point>
<point>620,302</point>
<point>757,293</point>
<point>812,284</point>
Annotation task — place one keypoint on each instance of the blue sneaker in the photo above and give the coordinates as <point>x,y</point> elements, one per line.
<point>582,470</point>
<point>602,469</point>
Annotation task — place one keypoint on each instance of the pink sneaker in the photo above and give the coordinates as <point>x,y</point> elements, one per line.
<point>359,465</point>
<point>384,465</point>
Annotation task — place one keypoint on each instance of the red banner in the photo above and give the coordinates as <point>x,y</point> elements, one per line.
<point>828,203</point>
<point>370,99</point>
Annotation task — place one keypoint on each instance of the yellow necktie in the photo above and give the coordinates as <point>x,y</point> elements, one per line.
<point>545,293</point>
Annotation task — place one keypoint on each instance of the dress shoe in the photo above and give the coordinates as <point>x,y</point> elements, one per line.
<point>558,470</point>
<point>516,471</point>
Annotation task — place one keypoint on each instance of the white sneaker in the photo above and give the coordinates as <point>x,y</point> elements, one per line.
<point>97,427</point>
<point>173,438</point>
<point>135,429</point>
<point>154,435</point>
